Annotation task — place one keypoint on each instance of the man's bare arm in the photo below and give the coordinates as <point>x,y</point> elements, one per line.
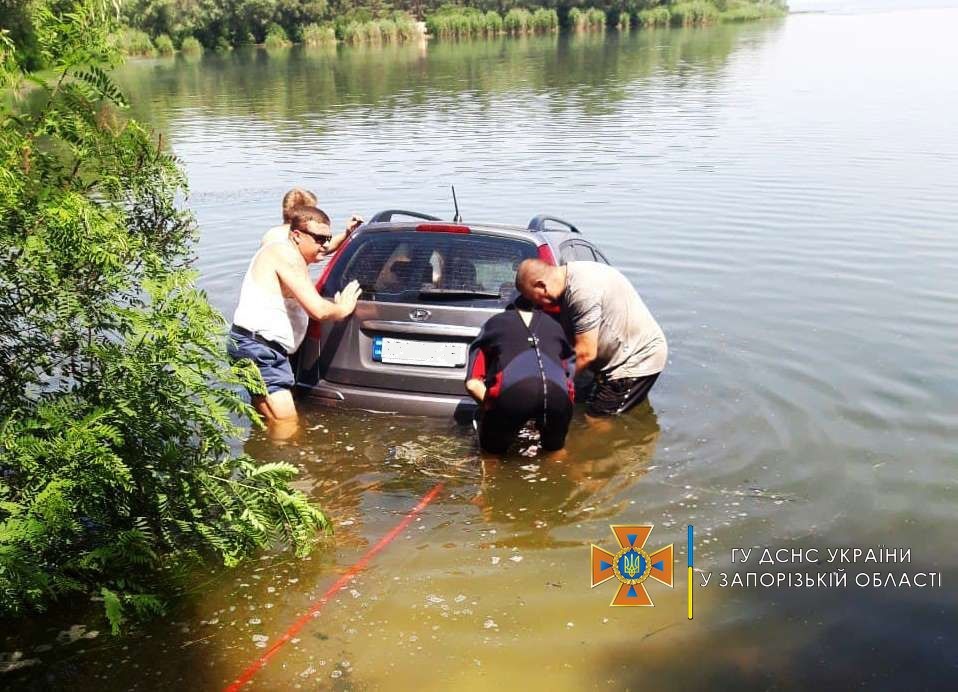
<point>340,238</point>
<point>298,283</point>
<point>586,349</point>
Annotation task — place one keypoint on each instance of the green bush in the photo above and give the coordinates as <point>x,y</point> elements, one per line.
<point>361,32</point>
<point>592,19</point>
<point>458,22</point>
<point>743,11</point>
<point>191,46</point>
<point>370,32</point>
<point>577,19</point>
<point>134,42</point>
<point>350,33</point>
<point>116,400</point>
<point>624,23</point>
<point>316,35</point>
<point>406,27</point>
<point>276,37</point>
<point>694,13</point>
<point>399,26</point>
<point>164,45</point>
<point>517,21</point>
<point>388,30</point>
<point>656,16</point>
<point>597,19</point>
<point>492,23</point>
<point>544,21</point>
<point>438,25</point>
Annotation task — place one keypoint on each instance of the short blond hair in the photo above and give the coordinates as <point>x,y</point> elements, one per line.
<point>297,197</point>
<point>300,217</point>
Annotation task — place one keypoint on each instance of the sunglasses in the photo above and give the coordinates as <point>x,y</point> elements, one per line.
<point>321,240</point>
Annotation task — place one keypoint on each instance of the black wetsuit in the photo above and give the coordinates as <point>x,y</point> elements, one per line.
<point>528,373</point>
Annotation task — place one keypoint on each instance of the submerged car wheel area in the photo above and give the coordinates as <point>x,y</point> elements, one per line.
<point>428,286</point>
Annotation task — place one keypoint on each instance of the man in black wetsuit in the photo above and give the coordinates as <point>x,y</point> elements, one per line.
<point>520,368</point>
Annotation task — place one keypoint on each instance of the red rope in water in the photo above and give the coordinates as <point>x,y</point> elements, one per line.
<point>337,586</point>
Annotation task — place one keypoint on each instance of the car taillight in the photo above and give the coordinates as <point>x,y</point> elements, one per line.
<point>443,228</point>
<point>329,266</point>
<point>314,330</point>
<point>545,254</point>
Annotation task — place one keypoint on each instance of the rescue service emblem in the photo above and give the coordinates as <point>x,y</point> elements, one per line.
<point>632,565</point>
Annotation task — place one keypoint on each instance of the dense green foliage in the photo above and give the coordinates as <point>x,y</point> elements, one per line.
<point>360,27</point>
<point>276,37</point>
<point>317,35</point>
<point>191,45</point>
<point>134,42</point>
<point>518,20</point>
<point>457,22</point>
<point>692,13</point>
<point>116,403</point>
<point>164,45</point>
<point>654,16</point>
<point>745,11</point>
<point>591,19</point>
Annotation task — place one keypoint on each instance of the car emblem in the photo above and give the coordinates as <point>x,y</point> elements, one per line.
<point>420,315</point>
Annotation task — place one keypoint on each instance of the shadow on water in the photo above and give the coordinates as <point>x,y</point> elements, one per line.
<point>529,495</point>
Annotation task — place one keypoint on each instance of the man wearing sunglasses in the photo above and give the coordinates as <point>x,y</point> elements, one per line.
<point>276,301</point>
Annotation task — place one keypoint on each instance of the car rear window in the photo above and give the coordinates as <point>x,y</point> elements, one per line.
<point>418,267</point>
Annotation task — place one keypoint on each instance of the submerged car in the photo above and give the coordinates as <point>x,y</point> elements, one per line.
<point>428,286</point>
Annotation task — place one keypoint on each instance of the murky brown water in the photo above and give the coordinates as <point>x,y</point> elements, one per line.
<point>783,195</point>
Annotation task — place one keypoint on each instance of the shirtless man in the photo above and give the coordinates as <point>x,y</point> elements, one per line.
<point>298,197</point>
<point>276,301</point>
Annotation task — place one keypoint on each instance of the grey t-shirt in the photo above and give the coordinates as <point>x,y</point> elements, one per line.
<point>631,343</point>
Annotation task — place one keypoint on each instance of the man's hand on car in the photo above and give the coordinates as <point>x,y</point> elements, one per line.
<point>355,221</point>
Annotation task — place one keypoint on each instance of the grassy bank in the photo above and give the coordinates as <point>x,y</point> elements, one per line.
<point>702,13</point>
<point>149,33</point>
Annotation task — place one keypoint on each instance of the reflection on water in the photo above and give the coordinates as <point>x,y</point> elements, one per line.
<point>785,202</point>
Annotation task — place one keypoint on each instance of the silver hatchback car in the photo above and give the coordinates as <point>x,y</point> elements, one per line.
<point>428,286</point>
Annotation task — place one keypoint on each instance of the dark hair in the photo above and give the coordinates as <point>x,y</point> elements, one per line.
<point>300,217</point>
<point>297,197</point>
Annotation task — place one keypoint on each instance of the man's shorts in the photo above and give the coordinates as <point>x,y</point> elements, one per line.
<point>612,397</point>
<point>269,357</point>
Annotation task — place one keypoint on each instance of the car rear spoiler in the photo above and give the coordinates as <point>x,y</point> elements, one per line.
<point>387,215</point>
<point>538,223</point>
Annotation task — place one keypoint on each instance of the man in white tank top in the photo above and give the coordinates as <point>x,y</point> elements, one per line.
<point>276,302</point>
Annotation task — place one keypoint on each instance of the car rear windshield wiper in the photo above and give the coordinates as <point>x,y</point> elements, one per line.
<point>440,293</point>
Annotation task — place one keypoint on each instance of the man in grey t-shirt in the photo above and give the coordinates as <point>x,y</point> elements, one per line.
<point>615,334</point>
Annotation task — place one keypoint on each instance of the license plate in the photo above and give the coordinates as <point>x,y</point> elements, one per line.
<point>437,354</point>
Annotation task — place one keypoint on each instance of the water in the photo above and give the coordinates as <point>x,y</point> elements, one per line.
<point>783,195</point>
